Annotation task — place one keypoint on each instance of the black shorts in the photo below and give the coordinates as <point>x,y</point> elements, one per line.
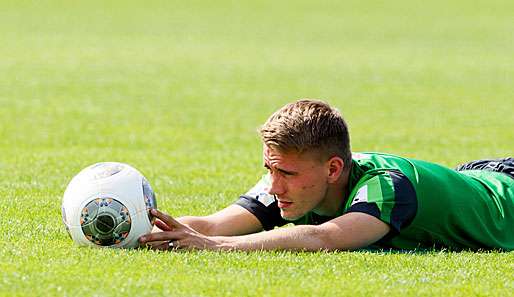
<point>505,165</point>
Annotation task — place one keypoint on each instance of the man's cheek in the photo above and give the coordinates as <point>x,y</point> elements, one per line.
<point>308,187</point>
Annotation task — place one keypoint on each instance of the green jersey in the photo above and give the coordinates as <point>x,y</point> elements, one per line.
<point>426,205</point>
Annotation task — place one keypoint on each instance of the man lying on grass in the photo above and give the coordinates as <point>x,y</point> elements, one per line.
<point>344,201</point>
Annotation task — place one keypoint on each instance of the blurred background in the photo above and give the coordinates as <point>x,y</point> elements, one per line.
<point>179,89</point>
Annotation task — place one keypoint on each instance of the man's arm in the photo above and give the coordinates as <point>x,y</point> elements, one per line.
<point>233,220</point>
<point>347,232</point>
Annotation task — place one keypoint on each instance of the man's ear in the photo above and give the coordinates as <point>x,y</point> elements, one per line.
<point>335,169</point>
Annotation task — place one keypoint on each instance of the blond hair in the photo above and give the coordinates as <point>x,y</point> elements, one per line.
<point>308,125</point>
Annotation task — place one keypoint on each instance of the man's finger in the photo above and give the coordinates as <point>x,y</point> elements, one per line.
<point>161,225</point>
<point>167,219</point>
<point>174,245</point>
<point>162,246</point>
<point>161,236</point>
<point>155,245</point>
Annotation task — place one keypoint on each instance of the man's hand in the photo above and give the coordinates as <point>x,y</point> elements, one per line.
<point>175,235</point>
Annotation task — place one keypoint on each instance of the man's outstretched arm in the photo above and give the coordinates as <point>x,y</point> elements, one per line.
<point>230,221</point>
<point>350,231</point>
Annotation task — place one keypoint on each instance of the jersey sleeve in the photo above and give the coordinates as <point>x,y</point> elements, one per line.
<point>262,205</point>
<point>389,196</point>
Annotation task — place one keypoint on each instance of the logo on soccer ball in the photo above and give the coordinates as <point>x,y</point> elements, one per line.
<point>105,221</point>
<point>105,169</point>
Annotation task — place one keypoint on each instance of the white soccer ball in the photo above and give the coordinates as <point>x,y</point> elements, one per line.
<point>108,205</point>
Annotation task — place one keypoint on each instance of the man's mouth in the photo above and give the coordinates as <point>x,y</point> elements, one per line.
<point>284,204</point>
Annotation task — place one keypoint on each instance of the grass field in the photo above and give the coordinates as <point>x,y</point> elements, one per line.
<point>178,91</point>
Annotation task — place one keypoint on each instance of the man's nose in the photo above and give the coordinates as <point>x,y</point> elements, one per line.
<point>277,186</point>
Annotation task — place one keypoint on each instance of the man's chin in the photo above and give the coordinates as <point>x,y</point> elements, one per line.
<point>290,216</point>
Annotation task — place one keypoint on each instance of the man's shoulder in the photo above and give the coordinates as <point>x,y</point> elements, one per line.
<point>387,195</point>
<point>378,185</point>
<point>375,168</point>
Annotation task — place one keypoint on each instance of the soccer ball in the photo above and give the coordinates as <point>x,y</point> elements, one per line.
<point>108,205</point>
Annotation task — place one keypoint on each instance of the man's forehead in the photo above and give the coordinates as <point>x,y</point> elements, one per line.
<point>271,153</point>
<point>274,152</point>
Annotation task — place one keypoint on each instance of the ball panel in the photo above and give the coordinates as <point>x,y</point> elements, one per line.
<point>105,221</point>
<point>149,197</point>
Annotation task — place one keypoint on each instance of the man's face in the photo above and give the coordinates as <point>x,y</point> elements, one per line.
<point>299,181</point>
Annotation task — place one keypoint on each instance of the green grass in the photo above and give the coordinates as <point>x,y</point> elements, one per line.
<point>178,90</point>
